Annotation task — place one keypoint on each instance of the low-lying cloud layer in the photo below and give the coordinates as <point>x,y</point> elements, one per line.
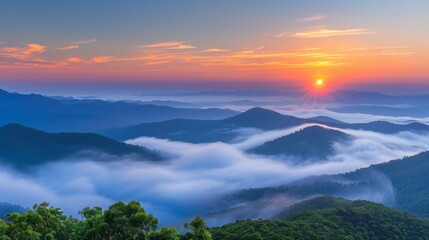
<point>195,175</point>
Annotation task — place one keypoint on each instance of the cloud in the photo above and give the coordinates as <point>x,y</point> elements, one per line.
<point>158,62</point>
<point>74,60</point>
<point>27,57</point>
<point>169,45</point>
<point>22,53</point>
<point>77,44</point>
<point>317,17</point>
<point>68,47</point>
<point>277,35</point>
<point>104,59</point>
<point>215,50</point>
<point>84,41</point>
<point>325,32</point>
<point>195,175</point>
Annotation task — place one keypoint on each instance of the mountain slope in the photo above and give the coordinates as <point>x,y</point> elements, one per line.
<point>317,203</point>
<point>355,220</point>
<point>24,147</point>
<point>51,114</point>
<point>401,183</point>
<point>313,142</point>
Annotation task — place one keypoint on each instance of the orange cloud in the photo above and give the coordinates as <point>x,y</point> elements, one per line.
<point>74,60</point>
<point>215,50</point>
<point>22,53</point>
<point>169,45</point>
<point>324,33</point>
<point>103,59</point>
<point>158,62</point>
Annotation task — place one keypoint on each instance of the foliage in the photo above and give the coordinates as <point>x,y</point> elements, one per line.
<point>358,220</point>
<point>40,222</point>
<point>164,234</point>
<point>120,221</point>
<point>338,219</point>
<point>198,230</point>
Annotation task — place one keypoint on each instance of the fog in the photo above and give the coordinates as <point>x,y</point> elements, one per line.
<point>194,176</point>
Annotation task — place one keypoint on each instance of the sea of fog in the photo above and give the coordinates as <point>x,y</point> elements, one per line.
<point>194,177</point>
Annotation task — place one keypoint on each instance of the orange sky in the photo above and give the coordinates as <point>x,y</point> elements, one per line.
<point>342,44</point>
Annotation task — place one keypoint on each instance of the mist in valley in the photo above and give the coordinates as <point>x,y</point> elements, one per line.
<point>194,177</point>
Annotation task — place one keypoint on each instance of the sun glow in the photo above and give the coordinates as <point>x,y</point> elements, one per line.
<point>319,82</point>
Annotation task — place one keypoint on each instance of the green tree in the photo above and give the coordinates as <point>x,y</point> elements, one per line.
<point>164,234</point>
<point>120,221</point>
<point>92,225</point>
<point>128,221</point>
<point>4,229</point>
<point>198,229</point>
<point>40,222</point>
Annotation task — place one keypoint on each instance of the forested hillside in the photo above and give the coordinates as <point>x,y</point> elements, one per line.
<point>399,183</point>
<point>356,220</point>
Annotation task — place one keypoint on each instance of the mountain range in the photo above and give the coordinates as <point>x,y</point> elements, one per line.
<point>64,114</point>
<point>23,147</point>
<point>205,131</point>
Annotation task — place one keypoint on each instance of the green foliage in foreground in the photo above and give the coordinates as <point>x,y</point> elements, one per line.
<point>357,220</point>
<point>345,220</point>
<point>120,221</point>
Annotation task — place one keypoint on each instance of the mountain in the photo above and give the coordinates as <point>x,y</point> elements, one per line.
<point>58,115</point>
<point>263,119</point>
<point>272,208</point>
<point>353,220</point>
<point>312,142</point>
<point>204,131</point>
<point>418,112</point>
<point>6,208</point>
<point>24,147</point>
<point>399,183</point>
<point>325,119</point>
<point>375,98</point>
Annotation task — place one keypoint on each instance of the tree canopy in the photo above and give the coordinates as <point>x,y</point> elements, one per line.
<point>337,219</point>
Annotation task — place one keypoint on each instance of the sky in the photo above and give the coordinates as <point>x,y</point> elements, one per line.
<point>362,44</point>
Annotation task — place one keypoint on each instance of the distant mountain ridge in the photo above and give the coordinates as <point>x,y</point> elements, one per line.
<point>203,131</point>
<point>57,115</point>
<point>24,147</point>
<point>7,208</point>
<point>418,112</point>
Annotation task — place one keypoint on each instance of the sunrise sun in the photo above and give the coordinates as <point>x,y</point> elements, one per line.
<point>319,82</point>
